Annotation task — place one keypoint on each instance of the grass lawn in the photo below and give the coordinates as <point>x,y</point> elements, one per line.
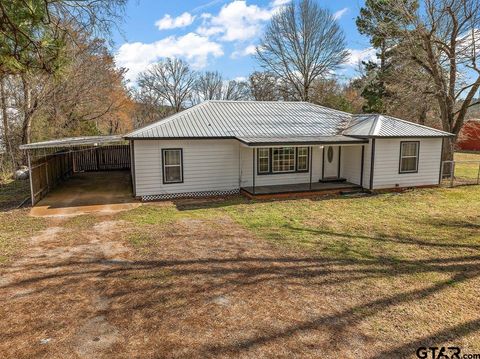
<point>467,171</point>
<point>368,277</point>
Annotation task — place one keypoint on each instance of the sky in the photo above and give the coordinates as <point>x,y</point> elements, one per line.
<point>216,35</point>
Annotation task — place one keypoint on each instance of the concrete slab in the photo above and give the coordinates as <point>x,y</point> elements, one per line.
<point>88,192</point>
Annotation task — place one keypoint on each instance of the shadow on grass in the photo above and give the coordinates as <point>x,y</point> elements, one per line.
<point>183,284</point>
<point>13,193</point>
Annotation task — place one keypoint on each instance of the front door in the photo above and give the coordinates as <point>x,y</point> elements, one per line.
<point>330,161</point>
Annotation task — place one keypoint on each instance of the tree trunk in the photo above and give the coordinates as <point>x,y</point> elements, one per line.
<point>27,111</point>
<point>6,129</point>
<point>448,148</point>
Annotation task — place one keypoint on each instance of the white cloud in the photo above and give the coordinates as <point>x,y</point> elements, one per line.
<point>167,22</point>
<point>338,14</point>
<point>247,51</point>
<point>357,56</point>
<point>137,56</point>
<point>236,21</point>
<point>277,3</point>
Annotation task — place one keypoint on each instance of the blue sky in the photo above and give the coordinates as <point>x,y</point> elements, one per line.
<point>215,34</point>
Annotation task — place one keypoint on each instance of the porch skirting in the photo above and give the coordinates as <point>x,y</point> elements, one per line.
<point>166,196</point>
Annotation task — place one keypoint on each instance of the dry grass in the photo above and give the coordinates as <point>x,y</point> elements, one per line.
<point>372,277</point>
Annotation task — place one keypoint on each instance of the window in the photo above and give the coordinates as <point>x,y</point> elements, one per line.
<point>330,154</point>
<point>263,160</point>
<point>172,166</point>
<point>409,156</point>
<point>302,159</point>
<point>283,159</point>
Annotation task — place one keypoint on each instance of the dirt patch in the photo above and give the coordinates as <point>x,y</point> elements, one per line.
<point>63,284</point>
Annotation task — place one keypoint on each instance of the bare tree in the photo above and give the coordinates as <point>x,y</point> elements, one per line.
<point>442,38</point>
<point>171,80</point>
<point>212,86</point>
<point>208,86</point>
<point>302,43</point>
<point>235,90</point>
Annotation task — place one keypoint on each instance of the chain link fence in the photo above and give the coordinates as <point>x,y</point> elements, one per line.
<point>460,173</point>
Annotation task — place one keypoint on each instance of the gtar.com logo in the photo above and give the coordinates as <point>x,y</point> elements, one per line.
<point>439,353</point>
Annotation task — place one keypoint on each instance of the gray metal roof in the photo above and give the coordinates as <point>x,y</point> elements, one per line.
<point>73,142</point>
<point>277,122</point>
<point>233,119</point>
<point>375,125</point>
<point>303,140</point>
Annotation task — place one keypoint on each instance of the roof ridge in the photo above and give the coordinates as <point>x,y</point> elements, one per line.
<point>415,124</point>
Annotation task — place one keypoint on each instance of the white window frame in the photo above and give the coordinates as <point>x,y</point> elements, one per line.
<point>280,159</point>
<point>416,156</point>
<point>165,165</point>
<point>307,157</point>
<point>262,157</point>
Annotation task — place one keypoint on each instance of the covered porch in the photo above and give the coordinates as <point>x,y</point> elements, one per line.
<point>306,165</point>
<point>312,188</point>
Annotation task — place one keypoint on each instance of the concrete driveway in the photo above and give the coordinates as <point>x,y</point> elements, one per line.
<point>89,192</point>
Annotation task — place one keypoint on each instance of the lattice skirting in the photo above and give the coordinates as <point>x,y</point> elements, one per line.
<point>164,196</point>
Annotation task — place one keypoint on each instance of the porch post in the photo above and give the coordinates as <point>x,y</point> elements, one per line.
<point>310,166</point>
<point>253,169</point>
<point>32,195</point>
<point>362,165</point>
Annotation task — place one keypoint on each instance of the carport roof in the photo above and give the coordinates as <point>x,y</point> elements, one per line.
<point>73,142</point>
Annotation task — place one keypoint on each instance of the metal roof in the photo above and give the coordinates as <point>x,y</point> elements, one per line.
<point>375,125</point>
<point>277,122</point>
<point>233,119</point>
<point>304,140</point>
<point>73,142</point>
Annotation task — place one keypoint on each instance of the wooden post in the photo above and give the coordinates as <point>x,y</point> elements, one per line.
<point>310,166</point>
<point>362,166</point>
<point>452,169</point>
<point>478,174</point>
<point>253,169</point>
<point>46,170</point>
<point>32,195</point>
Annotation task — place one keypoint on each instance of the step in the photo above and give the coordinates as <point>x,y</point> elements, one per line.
<point>332,179</point>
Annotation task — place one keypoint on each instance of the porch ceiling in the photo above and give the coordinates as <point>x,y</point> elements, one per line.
<point>301,140</point>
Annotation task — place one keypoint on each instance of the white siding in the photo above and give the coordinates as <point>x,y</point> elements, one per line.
<point>208,165</point>
<point>351,163</point>
<point>387,159</point>
<point>246,154</point>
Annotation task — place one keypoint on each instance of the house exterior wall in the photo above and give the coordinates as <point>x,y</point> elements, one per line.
<point>351,163</point>
<point>246,168</point>
<point>387,161</point>
<point>208,165</point>
<point>226,165</point>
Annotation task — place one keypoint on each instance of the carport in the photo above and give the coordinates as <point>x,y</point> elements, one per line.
<point>79,166</point>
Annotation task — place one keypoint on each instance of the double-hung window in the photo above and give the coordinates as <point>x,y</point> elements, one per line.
<point>409,151</point>
<point>263,160</point>
<point>302,159</point>
<point>172,165</point>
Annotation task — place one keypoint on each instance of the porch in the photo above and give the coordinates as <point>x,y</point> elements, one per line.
<point>310,188</point>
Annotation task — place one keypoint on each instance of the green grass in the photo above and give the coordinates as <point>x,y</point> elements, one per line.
<point>12,193</point>
<point>391,226</point>
<point>15,226</point>
<point>394,226</point>
<point>465,170</point>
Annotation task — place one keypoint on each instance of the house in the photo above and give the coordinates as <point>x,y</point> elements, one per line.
<point>469,137</point>
<point>224,147</point>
